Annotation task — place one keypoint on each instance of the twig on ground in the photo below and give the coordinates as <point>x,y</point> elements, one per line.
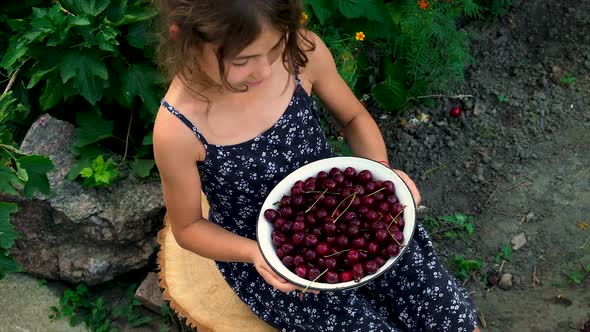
<point>445,229</point>
<point>444,96</point>
<point>585,243</point>
<point>502,265</point>
<point>535,279</point>
<point>482,319</point>
<point>520,184</point>
<point>428,171</point>
<point>492,195</point>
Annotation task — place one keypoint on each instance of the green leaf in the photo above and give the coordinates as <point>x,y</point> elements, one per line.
<point>390,94</point>
<point>139,34</point>
<point>322,9</point>
<point>38,75</point>
<point>37,167</point>
<point>107,38</point>
<point>88,71</point>
<point>92,128</point>
<point>137,15</point>
<point>395,11</point>
<point>53,93</point>
<point>351,8</point>
<point>8,233</point>
<point>76,21</point>
<point>139,80</point>
<point>98,163</point>
<point>86,172</point>
<point>8,180</point>
<point>148,139</point>
<point>16,51</point>
<point>91,7</point>
<point>142,167</point>
<point>375,10</point>
<point>102,178</point>
<point>7,265</point>
<point>17,25</point>
<point>140,321</point>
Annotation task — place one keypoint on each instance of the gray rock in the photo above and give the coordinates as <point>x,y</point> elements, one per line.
<point>78,234</point>
<point>518,241</point>
<point>149,293</point>
<point>505,282</point>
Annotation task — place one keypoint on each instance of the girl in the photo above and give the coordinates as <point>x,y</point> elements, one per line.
<point>242,72</point>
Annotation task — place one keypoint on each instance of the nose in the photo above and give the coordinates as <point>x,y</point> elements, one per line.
<point>265,69</point>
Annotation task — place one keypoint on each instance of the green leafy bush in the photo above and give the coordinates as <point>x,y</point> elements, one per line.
<point>90,63</point>
<point>82,305</point>
<point>419,47</point>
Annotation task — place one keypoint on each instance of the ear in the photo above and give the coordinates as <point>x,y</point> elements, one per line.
<point>173,30</point>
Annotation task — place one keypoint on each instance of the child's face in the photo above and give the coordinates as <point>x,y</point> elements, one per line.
<point>253,66</point>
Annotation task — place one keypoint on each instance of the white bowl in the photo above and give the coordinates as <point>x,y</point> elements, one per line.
<point>380,172</point>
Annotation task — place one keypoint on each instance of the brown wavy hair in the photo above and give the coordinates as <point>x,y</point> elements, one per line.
<point>231,25</point>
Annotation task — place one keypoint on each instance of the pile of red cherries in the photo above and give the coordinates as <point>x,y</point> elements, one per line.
<point>338,226</point>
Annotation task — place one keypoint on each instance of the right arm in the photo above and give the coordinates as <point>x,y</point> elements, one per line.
<point>176,158</point>
<point>181,187</point>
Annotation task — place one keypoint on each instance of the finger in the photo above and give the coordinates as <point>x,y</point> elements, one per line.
<point>274,274</point>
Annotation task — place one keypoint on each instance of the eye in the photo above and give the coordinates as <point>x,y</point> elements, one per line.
<point>239,64</point>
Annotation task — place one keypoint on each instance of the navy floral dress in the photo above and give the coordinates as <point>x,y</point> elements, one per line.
<point>418,294</point>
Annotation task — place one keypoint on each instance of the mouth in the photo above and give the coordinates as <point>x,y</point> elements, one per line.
<point>256,83</point>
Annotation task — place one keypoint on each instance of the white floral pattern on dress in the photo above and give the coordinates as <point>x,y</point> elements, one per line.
<point>418,294</point>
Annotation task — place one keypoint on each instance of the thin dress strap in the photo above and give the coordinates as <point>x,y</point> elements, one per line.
<point>186,121</point>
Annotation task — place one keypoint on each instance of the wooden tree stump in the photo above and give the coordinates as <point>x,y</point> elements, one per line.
<point>197,291</point>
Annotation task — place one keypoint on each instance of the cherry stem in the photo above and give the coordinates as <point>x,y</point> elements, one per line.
<point>395,219</point>
<point>394,239</point>
<point>349,204</point>
<point>318,192</point>
<point>316,278</point>
<point>316,201</point>
<point>373,193</point>
<point>337,253</point>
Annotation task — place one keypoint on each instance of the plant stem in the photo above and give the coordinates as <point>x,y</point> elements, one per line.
<point>127,138</point>
<point>11,82</point>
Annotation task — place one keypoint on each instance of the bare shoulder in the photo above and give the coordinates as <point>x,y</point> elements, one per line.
<point>320,60</point>
<point>172,138</point>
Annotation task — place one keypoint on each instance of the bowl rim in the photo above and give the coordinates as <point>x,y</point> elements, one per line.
<point>333,287</point>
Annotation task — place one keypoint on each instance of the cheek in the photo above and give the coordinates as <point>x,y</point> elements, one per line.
<point>237,75</point>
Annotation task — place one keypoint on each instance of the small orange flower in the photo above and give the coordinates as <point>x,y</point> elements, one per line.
<point>423,4</point>
<point>360,36</point>
<point>304,18</point>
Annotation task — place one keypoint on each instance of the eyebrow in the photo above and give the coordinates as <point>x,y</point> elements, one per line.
<point>244,57</point>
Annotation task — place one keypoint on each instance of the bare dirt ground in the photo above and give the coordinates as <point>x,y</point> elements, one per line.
<point>518,160</point>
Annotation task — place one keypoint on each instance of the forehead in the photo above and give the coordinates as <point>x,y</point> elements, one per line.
<point>268,38</point>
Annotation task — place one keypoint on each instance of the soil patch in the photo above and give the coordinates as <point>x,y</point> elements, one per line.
<point>518,159</point>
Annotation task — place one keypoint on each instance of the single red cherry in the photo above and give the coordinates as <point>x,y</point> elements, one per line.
<point>345,276</point>
<point>455,112</point>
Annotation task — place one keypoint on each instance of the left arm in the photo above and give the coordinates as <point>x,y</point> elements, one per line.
<point>360,130</point>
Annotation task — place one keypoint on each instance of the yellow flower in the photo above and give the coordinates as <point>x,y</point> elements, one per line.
<point>360,36</point>
<point>584,226</point>
<point>303,18</point>
<point>423,4</point>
